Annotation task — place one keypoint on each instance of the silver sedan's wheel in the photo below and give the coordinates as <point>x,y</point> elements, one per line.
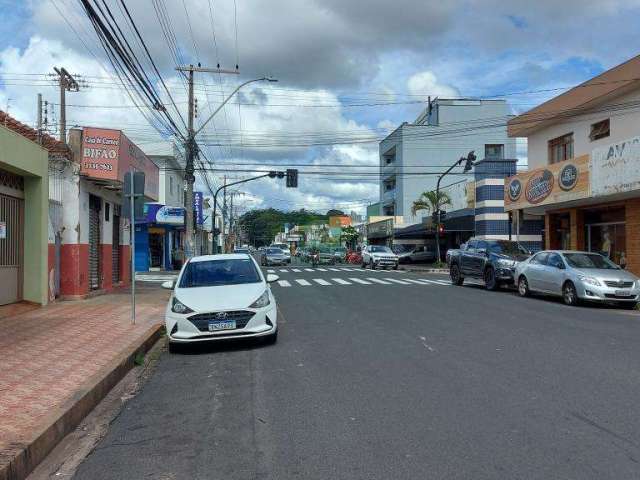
<point>569,294</point>
<point>523,286</point>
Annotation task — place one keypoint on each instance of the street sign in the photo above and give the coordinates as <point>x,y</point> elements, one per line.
<point>197,207</point>
<point>138,183</point>
<point>138,192</point>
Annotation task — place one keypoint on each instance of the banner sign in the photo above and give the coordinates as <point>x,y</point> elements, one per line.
<point>198,198</point>
<point>614,168</point>
<point>163,214</point>
<point>556,183</point>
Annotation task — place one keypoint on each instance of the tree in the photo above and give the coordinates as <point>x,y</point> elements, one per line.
<point>261,226</point>
<point>349,235</point>
<point>430,201</point>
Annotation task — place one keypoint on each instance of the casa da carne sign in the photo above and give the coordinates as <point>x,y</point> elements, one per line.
<point>616,167</point>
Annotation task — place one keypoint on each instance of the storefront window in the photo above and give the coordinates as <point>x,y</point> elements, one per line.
<point>605,233</point>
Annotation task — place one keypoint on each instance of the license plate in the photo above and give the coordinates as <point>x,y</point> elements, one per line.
<point>623,293</point>
<point>223,325</point>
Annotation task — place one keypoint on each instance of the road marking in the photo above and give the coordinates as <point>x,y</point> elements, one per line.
<point>359,280</point>
<point>435,282</point>
<point>308,269</point>
<point>271,271</point>
<point>303,282</point>
<point>297,270</point>
<point>349,269</point>
<point>377,280</point>
<point>321,269</point>
<point>419,282</point>
<point>284,270</point>
<point>284,283</point>
<point>394,280</point>
<point>334,269</point>
<point>321,281</point>
<point>341,281</point>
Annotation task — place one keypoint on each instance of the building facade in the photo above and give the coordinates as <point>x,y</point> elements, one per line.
<point>24,212</point>
<point>96,251</point>
<point>414,154</point>
<point>584,167</point>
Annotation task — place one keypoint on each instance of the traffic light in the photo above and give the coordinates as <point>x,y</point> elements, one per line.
<point>441,228</point>
<point>292,177</point>
<point>434,216</point>
<point>471,157</point>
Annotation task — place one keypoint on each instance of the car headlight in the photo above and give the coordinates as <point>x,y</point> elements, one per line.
<point>262,301</point>
<point>589,280</point>
<point>504,263</point>
<point>178,307</point>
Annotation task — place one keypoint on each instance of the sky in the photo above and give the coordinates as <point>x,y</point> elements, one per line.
<point>348,73</point>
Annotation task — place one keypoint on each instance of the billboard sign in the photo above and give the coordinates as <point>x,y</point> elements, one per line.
<point>614,168</point>
<point>164,214</point>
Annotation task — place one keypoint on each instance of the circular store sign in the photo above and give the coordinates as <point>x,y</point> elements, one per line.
<point>568,177</point>
<point>515,189</point>
<point>539,186</point>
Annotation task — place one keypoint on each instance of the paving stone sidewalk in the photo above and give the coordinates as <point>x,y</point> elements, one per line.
<point>49,354</point>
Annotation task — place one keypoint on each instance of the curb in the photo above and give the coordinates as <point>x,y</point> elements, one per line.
<point>67,416</point>
<point>427,270</point>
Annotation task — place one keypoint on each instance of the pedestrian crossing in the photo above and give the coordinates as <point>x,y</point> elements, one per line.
<point>352,281</point>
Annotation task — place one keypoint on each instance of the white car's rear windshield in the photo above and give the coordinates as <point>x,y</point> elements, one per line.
<point>211,273</point>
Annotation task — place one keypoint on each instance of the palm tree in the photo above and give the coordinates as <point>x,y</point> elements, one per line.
<point>431,201</point>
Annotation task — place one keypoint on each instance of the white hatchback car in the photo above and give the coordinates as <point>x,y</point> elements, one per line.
<point>217,297</point>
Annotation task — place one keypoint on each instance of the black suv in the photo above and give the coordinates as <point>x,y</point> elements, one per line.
<point>494,261</point>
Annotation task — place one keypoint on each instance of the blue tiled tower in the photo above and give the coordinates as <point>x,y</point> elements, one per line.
<point>491,221</point>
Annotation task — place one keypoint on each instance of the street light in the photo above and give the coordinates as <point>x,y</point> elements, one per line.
<point>468,165</point>
<point>263,79</point>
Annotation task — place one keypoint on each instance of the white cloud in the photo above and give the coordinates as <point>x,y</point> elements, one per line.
<point>425,83</point>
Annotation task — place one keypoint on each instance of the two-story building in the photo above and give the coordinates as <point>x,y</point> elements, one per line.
<point>413,155</point>
<point>584,167</point>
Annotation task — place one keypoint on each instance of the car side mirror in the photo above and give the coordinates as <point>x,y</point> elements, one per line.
<point>559,265</point>
<point>272,278</point>
<point>169,284</point>
<point>482,251</point>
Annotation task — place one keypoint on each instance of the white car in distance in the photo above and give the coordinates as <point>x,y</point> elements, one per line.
<point>376,256</point>
<point>219,297</point>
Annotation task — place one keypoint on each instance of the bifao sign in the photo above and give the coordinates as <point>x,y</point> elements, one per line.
<point>556,183</point>
<point>100,153</point>
<point>108,154</point>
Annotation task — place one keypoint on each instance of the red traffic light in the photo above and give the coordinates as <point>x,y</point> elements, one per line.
<point>441,228</point>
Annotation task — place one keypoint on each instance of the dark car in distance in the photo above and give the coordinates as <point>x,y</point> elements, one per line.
<point>493,261</point>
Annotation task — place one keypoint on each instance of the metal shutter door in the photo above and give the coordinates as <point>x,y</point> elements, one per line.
<point>11,249</point>
<point>94,242</point>
<point>115,248</point>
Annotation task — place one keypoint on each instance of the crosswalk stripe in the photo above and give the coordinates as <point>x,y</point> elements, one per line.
<point>321,281</point>
<point>321,269</point>
<point>377,280</point>
<point>395,280</point>
<point>359,280</point>
<point>435,282</point>
<point>442,282</point>
<point>284,270</point>
<point>308,269</point>
<point>341,281</point>
<point>303,282</point>
<point>348,269</point>
<point>419,282</point>
<point>297,270</point>
<point>334,269</point>
<point>284,283</point>
<point>271,271</point>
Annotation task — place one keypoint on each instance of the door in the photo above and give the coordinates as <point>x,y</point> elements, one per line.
<point>467,257</point>
<point>535,271</point>
<point>58,253</point>
<point>115,250</point>
<point>552,274</point>
<point>11,248</point>
<point>480,257</point>
<point>94,242</point>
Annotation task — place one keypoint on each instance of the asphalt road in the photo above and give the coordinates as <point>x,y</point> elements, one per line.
<point>393,381</point>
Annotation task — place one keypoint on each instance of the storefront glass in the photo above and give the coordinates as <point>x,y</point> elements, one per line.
<point>605,233</point>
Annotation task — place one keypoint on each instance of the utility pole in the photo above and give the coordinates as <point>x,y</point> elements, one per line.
<point>40,118</point>
<point>67,83</point>
<point>224,209</point>
<point>191,150</point>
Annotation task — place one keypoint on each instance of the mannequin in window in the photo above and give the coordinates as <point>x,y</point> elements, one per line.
<point>606,245</point>
<point>623,260</point>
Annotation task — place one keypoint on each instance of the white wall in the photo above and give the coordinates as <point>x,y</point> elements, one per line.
<point>624,124</point>
<point>436,147</point>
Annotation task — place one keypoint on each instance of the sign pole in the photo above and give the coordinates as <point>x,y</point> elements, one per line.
<point>133,252</point>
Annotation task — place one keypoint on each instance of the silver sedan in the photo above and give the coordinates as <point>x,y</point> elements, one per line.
<point>577,276</point>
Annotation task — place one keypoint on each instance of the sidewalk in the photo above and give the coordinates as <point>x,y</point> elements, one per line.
<point>59,361</point>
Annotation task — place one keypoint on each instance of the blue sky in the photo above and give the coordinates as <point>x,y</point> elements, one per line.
<point>331,53</point>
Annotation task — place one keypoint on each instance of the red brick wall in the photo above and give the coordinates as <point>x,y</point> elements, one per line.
<point>74,270</point>
<point>106,256</point>
<point>632,231</point>
<point>125,263</point>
